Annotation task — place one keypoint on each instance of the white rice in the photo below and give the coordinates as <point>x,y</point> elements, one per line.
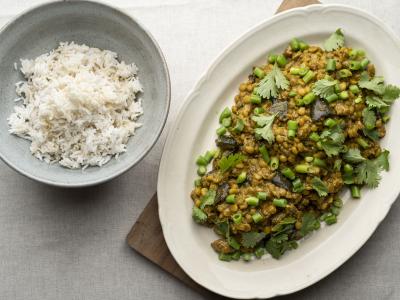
<point>79,105</point>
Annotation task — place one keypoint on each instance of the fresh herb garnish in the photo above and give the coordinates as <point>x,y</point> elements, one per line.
<point>319,186</point>
<point>368,171</point>
<point>278,245</point>
<point>265,124</point>
<point>228,162</point>
<point>325,88</point>
<point>198,215</point>
<point>251,239</point>
<point>354,156</point>
<point>369,118</point>
<point>274,80</point>
<point>308,224</point>
<point>208,199</point>
<point>332,140</point>
<point>375,84</point>
<point>335,41</point>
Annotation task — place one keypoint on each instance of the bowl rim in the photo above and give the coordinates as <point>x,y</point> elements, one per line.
<point>146,150</point>
<point>191,96</point>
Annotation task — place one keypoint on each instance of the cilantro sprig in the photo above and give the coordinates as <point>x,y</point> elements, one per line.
<point>368,172</point>
<point>269,86</point>
<point>319,186</point>
<point>335,41</point>
<point>325,88</point>
<point>228,162</point>
<point>265,127</point>
<point>332,140</point>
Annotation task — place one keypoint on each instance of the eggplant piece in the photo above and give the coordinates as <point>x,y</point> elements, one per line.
<point>282,181</point>
<point>222,192</point>
<point>320,110</point>
<point>279,108</point>
<point>226,143</point>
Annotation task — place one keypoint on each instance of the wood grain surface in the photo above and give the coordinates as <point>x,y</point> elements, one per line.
<point>146,235</point>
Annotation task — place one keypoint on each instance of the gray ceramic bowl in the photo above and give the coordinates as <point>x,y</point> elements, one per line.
<point>39,30</point>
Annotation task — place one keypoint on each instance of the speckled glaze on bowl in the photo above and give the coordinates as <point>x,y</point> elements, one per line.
<point>39,30</point>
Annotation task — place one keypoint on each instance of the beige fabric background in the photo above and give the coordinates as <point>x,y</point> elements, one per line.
<point>70,244</point>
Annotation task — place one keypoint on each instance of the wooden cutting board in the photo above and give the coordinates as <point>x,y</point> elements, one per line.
<point>146,235</point>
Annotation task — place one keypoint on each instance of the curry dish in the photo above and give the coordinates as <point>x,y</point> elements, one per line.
<point>303,126</point>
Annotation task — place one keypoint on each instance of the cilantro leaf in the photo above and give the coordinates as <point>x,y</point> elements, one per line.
<point>375,102</point>
<point>332,140</point>
<point>319,186</point>
<point>309,223</point>
<point>274,80</point>
<point>383,160</point>
<point>208,199</point>
<point>228,162</point>
<point>353,156</point>
<point>375,84</point>
<point>368,172</point>
<point>391,93</point>
<point>198,215</point>
<point>265,122</point>
<point>324,88</point>
<point>371,134</point>
<point>233,243</point>
<point>284,225</point>
<point>369,118</point>
<point>222,228</point>
<point>335,41</point>
<point>252,238</point>
<point>278,245</point>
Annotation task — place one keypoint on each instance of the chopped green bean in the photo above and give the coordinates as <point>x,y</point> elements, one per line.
<point>281,60</point>
<point>224,256</point>
<point>309,76</point>
<point>303,46</point>
<point>279,202</point>
<point>331,64</point>
<point>355,65</point>
<point>201,161</point>
<point>364,63</point>
<point>292,128</point>
<point>230,199</point>
<point>264,153</point>
<point>330,122</point>
<point>347,168</point>
<point>258,72</point>
<point>252,201</point>
<point>331,219</point>
<point>363,143</point>
<point>242,177</point>
<point>225,114</point>
<point>288,172</point>
<point>332,98</point>
<point>272,58</point>
<point>355,191</point>
<point>358,100</point>
<point>303,71</point>
<point>344,95</point>
<point>237,218</point>
<point>239,126</point>
<point>295,44</point>
<point>309,98</point>
<point>201,170</point>
<point>255,99</point>
<point>226,122</point>
<point>274,163</point>
<point>262,196</point>
<point>221,131</point>
<point>294,71</point>
<point>259,110</point>
<point>257,217</point>
<point>343,73</point>
<point>302,168</point>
